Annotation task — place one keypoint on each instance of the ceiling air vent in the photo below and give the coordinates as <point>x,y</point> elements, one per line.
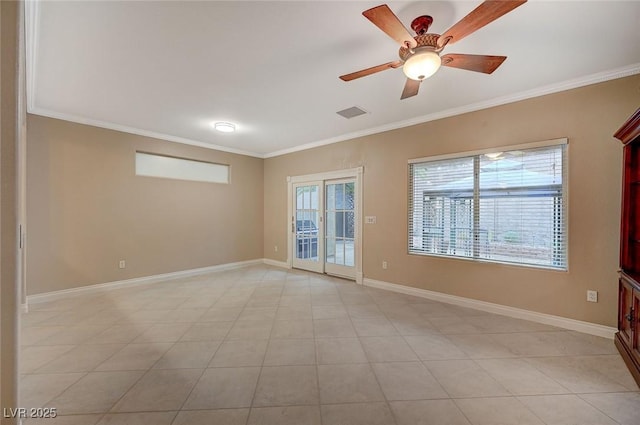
<point>349,113</point>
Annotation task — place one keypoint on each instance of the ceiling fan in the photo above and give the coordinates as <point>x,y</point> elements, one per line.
<point>420,55</point>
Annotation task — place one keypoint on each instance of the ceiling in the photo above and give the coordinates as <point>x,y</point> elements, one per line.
<point>170,69</point>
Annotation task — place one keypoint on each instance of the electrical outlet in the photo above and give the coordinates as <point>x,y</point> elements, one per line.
<point>592,296</point>
<point>384,265</point>
<point>122,264</point>
<point>370,219</point>
<point>275,248</point>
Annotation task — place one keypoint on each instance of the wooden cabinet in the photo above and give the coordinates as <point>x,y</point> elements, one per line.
<point>628,334</point>
<point>628,322</point>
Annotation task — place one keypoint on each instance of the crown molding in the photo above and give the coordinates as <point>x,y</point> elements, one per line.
<point>600,77</point>
<point>626,71</point>
<point>133,130</point>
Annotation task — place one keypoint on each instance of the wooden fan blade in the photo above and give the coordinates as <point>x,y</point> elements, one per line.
<point>369,71</point>
<point>477,63</point>
<point>482,15</point>
<point>387,21</point>
<point>411,88</point>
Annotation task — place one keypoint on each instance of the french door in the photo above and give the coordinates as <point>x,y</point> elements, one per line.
<point>324,226</point>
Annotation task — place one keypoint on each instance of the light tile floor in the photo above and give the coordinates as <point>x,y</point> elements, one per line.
<point>261,345</point>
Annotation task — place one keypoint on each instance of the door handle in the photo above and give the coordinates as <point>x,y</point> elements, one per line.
<point>630,318</point>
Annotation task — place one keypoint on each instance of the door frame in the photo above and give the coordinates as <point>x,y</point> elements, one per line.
<point>353,173</point>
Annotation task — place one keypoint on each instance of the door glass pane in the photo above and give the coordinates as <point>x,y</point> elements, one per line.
<point>339,218</point>
<point>339,196</point>
<point>330,244</point>
<point>349,224</point>
<point>330,225</point>
<point>305,197</point>
<point>299,191</point>
<point>314,198</point>
<point>330,200</point>
<point>349,193</point>
<point>349,253</point>
<point>340,251</point>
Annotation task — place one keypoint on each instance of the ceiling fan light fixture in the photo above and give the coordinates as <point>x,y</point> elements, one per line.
<point>422,64</point>
<point>224,127</point>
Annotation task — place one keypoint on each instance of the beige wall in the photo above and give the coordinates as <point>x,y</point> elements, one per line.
<point>588,116</point>
<point>8,219</point>
<point>87,210</point>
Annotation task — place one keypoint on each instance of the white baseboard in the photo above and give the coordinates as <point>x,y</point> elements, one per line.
<point>275,263</point>
<point>518,313</point>
<point>82,290</point>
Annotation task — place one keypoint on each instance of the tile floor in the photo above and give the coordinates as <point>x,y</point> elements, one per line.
<point>261,345</point>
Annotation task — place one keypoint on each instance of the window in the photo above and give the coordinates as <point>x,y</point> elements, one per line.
<point>507,207</point>
<point>153,165</point>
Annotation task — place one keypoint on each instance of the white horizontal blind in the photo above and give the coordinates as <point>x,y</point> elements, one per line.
<point>507,207</point>
<point>181,169</point>
<point>441,207</point>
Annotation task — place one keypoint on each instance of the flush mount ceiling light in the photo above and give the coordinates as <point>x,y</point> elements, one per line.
<point>224,127</point>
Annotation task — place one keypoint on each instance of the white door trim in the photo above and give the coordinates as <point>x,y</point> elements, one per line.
<point>355,173</point>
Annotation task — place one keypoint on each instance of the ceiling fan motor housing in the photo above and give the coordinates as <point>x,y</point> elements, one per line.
<point>424,41</point>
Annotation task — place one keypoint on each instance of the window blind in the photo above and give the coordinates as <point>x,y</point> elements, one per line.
<point>507,207</point>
